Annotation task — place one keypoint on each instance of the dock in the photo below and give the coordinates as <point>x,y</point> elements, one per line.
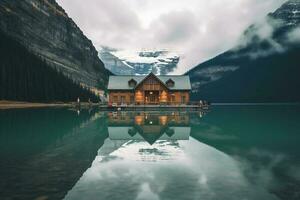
<point>154,107</point>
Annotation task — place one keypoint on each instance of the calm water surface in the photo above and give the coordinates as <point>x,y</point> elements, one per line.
<point>229,152</point>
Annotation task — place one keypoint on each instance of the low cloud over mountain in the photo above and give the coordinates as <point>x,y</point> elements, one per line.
<point>263,67</point>
<point>197,29</point>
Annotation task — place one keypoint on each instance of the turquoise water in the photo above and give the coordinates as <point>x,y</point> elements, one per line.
<point>228,152</point>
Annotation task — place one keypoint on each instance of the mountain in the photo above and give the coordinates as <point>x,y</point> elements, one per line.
<point>44,28</point>
<point>126,62</point>
<point>26,77</point>
<point>115,64</point>
<point>264,67</point>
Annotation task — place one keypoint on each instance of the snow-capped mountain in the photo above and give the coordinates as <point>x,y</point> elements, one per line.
<point>124,62</point>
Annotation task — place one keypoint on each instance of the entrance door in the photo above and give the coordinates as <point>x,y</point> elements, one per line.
<point>151,97</point>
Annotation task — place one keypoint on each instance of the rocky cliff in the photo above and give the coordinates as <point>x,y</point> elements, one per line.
<point>46,30</point>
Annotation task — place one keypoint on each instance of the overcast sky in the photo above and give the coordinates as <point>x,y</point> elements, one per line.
<point>196,29</point>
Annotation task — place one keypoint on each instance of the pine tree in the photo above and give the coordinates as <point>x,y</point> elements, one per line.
<point>26,77</point>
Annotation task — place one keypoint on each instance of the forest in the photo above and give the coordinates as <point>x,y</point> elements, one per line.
<point>26,77</point>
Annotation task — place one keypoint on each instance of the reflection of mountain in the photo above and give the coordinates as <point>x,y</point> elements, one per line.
<point>119,62</point>
<point>265,139</point>
<point>128,167</point>
<point>51,148</point>
<point>198,171</point>
<point>231,127</point>
<point>252,154</point>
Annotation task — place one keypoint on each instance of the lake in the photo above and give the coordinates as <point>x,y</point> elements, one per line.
<point>228,152</point>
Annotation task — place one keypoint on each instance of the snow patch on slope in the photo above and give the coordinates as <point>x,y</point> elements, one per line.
<point>139,62</point>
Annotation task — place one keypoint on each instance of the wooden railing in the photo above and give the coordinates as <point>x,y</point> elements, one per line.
<point>195,103</point>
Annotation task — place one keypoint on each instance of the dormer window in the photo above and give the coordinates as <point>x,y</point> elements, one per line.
<point>170,83</point>
<point>132,83</point>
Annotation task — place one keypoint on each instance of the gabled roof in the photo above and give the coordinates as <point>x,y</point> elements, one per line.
<point>153,75</point>
<point>132,81</point>
<point>170,83</point>
<point>121,82</point>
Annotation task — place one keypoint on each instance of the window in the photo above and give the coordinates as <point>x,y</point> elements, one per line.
<point>115,99</point>
<point>131,99</point>
<point>170,83</point>
<point>132,83</point>
<point>183,99</point>
<point>172,97</point>
<point>122,99</point>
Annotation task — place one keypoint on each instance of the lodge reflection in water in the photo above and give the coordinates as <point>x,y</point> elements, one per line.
<point>149,126</point>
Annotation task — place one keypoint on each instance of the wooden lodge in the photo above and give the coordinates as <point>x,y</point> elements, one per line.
<point>149,90</point>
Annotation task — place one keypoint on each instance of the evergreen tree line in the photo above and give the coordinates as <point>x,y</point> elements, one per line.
<point>26,77</point>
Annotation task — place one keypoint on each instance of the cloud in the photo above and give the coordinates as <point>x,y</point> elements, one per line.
<point>108,23</point>
<point>213,73</point>
<point>197,29</point>
<point>175,27</point>
<point>294,36</point>
<point>261,41</point>
<point>260,31</point>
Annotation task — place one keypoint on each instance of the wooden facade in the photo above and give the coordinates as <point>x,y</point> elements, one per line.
<point>150,91</point>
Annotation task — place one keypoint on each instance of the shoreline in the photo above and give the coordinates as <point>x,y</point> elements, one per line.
<point>256,104</point>
<point>21,105</point>
<point>4,104</point>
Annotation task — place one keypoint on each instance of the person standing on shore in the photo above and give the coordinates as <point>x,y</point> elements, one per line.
<point>90,103</point>
<point>78,102</point>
